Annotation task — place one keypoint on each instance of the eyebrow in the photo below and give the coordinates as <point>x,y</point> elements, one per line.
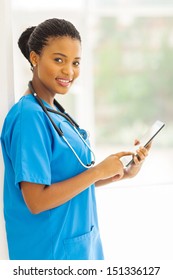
<point>65,55</point>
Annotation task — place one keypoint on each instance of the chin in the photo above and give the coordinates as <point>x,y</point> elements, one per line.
<point>62,92</point>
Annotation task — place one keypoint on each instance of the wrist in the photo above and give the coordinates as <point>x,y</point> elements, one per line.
<point>96,173</point>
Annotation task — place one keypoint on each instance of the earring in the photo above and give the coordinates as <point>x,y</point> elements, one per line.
<point>32,66</point>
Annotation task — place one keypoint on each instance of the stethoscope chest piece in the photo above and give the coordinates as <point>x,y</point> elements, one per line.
<point>83,133</point>
<point>80,131</point>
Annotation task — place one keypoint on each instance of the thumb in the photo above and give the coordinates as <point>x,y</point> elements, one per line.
<point>116,177</point>
<point>136,142</point>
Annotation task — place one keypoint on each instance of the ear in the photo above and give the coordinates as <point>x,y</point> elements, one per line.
<point>34,58</point>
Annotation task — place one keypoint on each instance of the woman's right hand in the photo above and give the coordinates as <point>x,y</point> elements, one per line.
<point>112,166</point>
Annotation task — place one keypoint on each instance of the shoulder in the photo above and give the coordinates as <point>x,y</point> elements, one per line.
<point>26,111</point>
<point>27,105</point>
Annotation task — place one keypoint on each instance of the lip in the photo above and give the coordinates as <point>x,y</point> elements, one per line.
<point>64,82</point>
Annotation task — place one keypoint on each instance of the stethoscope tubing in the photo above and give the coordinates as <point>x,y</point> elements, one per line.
<point>65,115</point>
<point>73,124</point>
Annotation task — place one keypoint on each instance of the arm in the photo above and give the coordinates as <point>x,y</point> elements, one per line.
<point>39,198</point>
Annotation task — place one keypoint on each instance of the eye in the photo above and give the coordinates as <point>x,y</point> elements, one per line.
<point>58,59</point>
<point>76,63</point>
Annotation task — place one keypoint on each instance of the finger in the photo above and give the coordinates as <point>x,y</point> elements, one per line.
<point>140,156</point>
<point>123,154</point>
<point>136,142</point>
<point>143,150</point>
<point>149,146</point>
<point>137,160</point>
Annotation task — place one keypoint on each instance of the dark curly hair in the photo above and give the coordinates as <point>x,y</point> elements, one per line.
<point>36,37</point>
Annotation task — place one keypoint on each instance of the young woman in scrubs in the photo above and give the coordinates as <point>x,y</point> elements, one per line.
<point>49,196</point>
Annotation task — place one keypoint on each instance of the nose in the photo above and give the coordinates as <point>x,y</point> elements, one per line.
<point>68,70</point>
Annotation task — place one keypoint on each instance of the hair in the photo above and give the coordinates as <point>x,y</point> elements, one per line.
<point>36,37</point>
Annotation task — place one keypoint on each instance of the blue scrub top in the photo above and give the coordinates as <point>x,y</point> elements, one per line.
<point>34,152</point>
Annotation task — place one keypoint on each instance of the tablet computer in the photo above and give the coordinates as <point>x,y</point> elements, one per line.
<point>148,137</point>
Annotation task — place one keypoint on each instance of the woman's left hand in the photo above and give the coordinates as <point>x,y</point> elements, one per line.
<point>138,159</point>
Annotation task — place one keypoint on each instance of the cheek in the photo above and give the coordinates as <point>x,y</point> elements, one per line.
<point>77,73</point>
<point>46,71</point>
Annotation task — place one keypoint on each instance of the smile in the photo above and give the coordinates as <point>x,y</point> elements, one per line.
<point>64,82</point>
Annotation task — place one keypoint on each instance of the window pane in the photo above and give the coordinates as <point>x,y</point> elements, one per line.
<point>113,3</point>
<point>51,4</point>
<point>133,85</point>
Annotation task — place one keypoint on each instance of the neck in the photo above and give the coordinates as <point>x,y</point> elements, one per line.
<point>42,92</point>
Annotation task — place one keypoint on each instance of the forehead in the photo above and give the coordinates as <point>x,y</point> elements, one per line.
<point>64,45</point>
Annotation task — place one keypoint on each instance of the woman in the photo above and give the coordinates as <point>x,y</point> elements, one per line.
<point>49,189</point>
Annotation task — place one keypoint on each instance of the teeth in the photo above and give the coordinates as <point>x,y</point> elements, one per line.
<point>64,81</point>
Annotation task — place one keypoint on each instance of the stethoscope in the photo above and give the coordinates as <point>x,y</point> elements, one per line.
<point>81,133</point>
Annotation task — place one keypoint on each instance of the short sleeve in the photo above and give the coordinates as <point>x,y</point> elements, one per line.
<point>31,148</point>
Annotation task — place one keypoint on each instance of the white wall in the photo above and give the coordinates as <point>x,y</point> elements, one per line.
<point>135,215</point>
<point>6,96</point>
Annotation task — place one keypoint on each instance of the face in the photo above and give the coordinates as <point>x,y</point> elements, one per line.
<point>57,66</point>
